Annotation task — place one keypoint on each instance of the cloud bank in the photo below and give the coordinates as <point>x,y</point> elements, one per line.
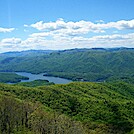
<point>82,27</point>
<point>62,34</point>
<point>106,41</point>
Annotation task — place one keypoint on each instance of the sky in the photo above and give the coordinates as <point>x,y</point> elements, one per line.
<point>65,24</point>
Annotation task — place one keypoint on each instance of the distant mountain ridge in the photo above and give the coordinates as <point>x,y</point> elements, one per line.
<point>96,64</point>
<point>25,52</point>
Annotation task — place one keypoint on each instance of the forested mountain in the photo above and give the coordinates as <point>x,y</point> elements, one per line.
<point>95,64</point>
<point>80,107</point>
<point>105,106</point>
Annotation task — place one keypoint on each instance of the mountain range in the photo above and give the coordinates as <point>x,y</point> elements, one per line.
<point>96,64</point>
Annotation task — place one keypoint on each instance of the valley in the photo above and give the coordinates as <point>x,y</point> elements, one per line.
<point>98,98</point>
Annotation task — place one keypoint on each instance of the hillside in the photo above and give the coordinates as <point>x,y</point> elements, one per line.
<point>78,64</point>
<point>11,77</point>
<point>105,108</point>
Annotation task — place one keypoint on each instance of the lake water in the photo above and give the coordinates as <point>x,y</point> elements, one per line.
<point>33,77</point>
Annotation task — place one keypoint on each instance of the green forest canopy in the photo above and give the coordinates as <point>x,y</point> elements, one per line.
<point>99,107</point>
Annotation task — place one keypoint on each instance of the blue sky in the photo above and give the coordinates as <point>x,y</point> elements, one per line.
<point>65,24</point>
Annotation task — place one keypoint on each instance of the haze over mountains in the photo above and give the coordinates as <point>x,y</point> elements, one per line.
<point>66,50</point>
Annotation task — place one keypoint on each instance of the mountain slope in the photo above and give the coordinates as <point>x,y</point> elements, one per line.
<point>108,107</point>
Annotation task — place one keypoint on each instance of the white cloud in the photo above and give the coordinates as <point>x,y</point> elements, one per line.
<point>100,21</point>
<point>82,27</point>
<point>11,41</point>
<point>26,25</point>
<point>105,41</point>
<point>44,34</point>
<point>119,25</point>
<point>5,30</point>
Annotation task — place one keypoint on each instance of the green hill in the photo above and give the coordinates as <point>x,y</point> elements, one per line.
<point>105,108</point>
<point>11,77</point>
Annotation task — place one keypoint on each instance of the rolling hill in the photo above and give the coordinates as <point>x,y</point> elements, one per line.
<point>104,108</point>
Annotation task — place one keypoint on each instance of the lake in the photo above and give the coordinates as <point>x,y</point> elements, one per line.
<point>33,77</point>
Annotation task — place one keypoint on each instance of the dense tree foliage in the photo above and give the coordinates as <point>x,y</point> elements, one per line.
<point>104,108</point>
<point>21,117</point>
<point>35,83</point>
<point>11,77</point>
